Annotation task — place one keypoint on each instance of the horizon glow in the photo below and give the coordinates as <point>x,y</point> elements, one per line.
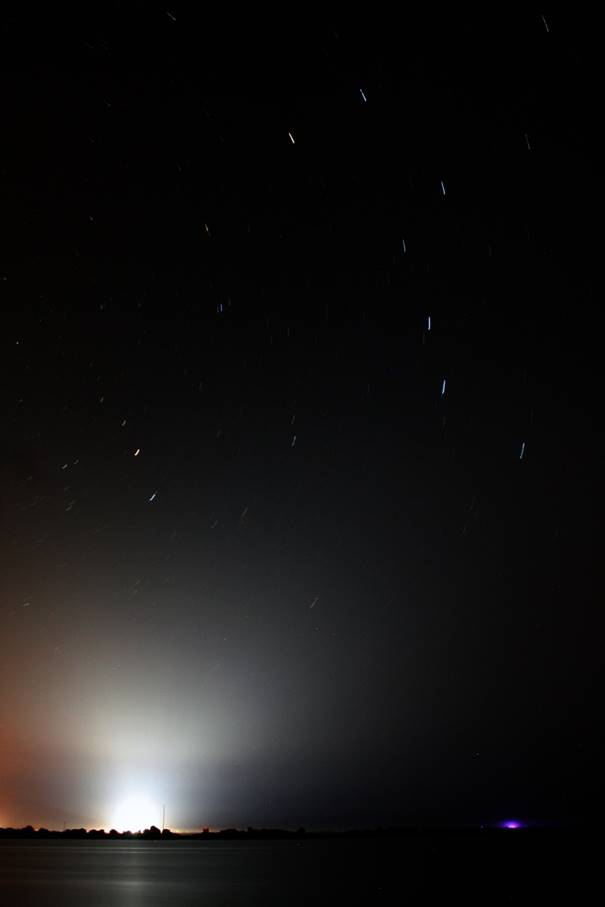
<point>135,813</point>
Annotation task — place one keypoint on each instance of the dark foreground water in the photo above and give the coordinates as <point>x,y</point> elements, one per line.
<point>517,868</point>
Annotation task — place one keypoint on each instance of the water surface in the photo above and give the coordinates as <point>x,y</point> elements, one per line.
<point>508,868</point>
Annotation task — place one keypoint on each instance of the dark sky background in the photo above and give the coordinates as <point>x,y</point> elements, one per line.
<point>329,589</point>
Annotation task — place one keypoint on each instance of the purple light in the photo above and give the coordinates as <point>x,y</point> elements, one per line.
<point>512,824</point>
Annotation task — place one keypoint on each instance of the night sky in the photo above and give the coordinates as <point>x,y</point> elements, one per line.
<point>301,395</point>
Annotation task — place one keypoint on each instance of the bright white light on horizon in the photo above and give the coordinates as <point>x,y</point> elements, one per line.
<point>135,813</point>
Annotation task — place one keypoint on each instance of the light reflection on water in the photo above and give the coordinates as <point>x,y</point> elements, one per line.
<point>492,867</point>
<point>132,873</point>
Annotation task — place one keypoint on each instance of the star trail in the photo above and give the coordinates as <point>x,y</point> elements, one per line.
<point>301,445</point>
